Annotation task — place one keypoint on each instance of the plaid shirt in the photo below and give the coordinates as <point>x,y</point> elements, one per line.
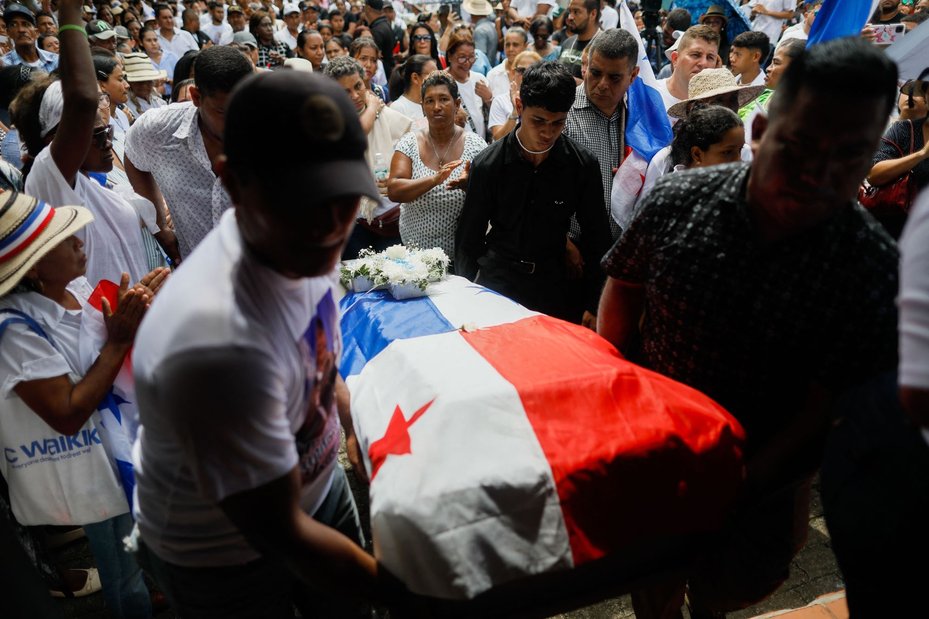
<point>264,54</point>
<point>753,325</point>
<point>605,137</point>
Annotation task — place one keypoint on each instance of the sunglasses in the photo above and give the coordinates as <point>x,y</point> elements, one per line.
<point>422,37</point>
<point>102,137</point>
<point>520,70</point>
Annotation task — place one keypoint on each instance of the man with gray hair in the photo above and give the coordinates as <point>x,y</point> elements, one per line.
<point>597,120</point>
<point>598,116</point>
<point>384,126</point>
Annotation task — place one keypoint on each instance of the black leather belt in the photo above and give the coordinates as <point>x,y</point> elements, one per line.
<point>529,267</point>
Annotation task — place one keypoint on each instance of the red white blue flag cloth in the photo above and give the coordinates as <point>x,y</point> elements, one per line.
<point>118,414</point>
<point>648,130</point>
<point>502,443</point>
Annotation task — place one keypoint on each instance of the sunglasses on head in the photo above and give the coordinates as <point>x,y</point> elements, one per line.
<point>102,137</point>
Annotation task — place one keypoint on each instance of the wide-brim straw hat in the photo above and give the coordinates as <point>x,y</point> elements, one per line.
<point>712,83</point>
<point>478,7</point>
<point>29,229</point>
<point>139,68</point>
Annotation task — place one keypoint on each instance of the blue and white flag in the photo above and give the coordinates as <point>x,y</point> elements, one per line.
<point>840,18</point>
<point>648,129</point>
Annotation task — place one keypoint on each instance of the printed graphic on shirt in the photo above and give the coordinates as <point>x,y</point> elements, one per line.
<point>317,439</point>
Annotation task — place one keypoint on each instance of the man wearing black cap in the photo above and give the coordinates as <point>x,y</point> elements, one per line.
<point>242,506</point>
<point>20,26</point>
<point>101,34</point>
<point>236,16</point>
<point>382,32</point>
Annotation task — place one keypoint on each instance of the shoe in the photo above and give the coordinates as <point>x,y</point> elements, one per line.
<point>56,540</point>
<point>91,585</point>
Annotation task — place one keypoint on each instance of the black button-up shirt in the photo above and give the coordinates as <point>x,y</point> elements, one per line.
<point>529,209</point>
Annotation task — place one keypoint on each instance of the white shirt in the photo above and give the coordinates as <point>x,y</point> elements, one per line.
<point>499,80</point>
<point>528,8</point>
<point>666,97</point>
<point>609,18</point>
<point>914,298</point>
<point>473,104</point>
<point>758,81</point>
<point>180,44</point>
<point>168,143</point>
<point>500,109</point>
<point>389,127</point>
<point>413,111</point>
<point>220,35</point>
<point>139,106</point>
<point>796,31</point>
<point>771,26</point>
<point>240,346</point>
<point>113,241</point>
<point>286,38</point>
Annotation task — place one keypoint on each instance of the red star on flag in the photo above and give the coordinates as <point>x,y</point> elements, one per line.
<point>396,439</point>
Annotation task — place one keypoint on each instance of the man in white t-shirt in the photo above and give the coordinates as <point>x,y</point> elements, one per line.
<point>768,16</point>
<point>217,29</point>
<point>236,376</point>
<point>748,51</point>
<point>697,49</point>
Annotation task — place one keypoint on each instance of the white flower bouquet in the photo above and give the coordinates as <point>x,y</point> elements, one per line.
<point>405,272</point>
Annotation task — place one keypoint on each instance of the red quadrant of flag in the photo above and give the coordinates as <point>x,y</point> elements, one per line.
<point>634,455</point>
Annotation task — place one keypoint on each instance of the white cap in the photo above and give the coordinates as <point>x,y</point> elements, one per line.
<point>290,7</point>
<point>51,108</point>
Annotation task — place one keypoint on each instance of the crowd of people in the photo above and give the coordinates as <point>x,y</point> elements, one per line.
<point>186,154</point>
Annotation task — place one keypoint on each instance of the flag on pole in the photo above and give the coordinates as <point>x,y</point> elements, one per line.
<point>840,18</point>
<point>648,129</point>
<point>502,443</point>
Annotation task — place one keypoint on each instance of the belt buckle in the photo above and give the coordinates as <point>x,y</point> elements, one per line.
<point>531,266</point>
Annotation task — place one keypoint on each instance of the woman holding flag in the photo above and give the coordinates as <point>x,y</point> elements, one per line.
<point>55,466</point>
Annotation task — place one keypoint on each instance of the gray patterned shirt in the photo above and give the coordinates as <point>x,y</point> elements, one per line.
<point>605,137</point>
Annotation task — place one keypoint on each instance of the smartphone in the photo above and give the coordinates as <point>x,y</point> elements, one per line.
<point>888,34</point>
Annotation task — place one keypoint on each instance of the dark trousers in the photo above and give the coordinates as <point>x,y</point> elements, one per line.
<point>743,563</point>
<point>362,238</point>
<point>875,491</point>
<point>262,588</point>
<point>542,291</point>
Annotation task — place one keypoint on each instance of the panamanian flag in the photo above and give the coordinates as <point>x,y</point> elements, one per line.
<point>648,130</point>
<point>502,443</point>
<point>117,413</point>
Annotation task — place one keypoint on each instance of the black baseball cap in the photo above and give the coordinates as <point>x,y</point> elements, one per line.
<point>315,128</point>
<point>377,5</point>
<point>15,9</point>
<point>100,29</point>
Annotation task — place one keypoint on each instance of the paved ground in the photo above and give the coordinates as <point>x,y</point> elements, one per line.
<point>814,573</point>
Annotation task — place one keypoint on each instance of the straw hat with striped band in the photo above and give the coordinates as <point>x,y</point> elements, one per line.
<point>29,229</point>
<point>712,83</point>
<point>139,68</point>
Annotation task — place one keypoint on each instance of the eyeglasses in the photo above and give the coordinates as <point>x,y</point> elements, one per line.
<point>422,37</point>
<point>102,137</point>
<point>520,70</point>
<point>465,59</point>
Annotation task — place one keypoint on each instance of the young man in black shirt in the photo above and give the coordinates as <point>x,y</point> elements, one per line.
<point>527,186</point>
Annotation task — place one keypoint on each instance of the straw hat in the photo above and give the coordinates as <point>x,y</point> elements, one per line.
<point>139,68</point>
<point>712,83</point>
<point>29,229</point>
<point>477,7</point>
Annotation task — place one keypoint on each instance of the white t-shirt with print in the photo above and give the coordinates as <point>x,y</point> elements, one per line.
<point>235,369</point>
<point>113,241</point>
